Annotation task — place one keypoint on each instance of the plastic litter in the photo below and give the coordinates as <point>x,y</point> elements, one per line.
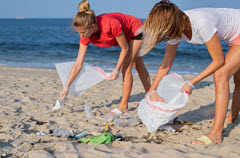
<point>41,133</point>
<point>128,116</point>
<point>104,138</point>
<point>111,117</point>
<point>62,133</point>
<point>38,123</point>
<point>89,76</point>
<point>58,105</point>
<point>167,128</point>
<point>88,110</point>
<point>155,113</point>
<point>126,122</point>
<point>80,135</point>
<point>107,128</point>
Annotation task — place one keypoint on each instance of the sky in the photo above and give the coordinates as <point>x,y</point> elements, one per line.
<point>68,8</point>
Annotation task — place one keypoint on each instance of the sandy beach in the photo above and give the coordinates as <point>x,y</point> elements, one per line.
<point>27,96</point>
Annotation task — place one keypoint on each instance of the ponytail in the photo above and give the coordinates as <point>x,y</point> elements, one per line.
<point>84,17</point>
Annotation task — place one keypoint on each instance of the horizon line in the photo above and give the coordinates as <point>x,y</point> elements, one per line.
<point>22,18</point>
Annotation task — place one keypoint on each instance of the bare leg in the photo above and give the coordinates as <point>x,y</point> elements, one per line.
<point>134,46</point>
<point>221,80</point>
<point>142,72</point>
<point>234,112</point>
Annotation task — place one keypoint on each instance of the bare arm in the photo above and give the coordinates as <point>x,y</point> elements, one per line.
<point>122,42</point>
<point>77,65</point>
<point>163,70</point>
<point>165,67</point>
<point>215,50</point>
<point>75,69</point>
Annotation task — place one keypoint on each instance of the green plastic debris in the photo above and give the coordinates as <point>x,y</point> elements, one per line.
<point>104,138</point>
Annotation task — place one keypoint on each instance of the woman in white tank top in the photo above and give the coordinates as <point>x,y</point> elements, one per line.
<point>166,22</point>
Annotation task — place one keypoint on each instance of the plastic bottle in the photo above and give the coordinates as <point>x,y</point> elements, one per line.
<point>111,117</point>
<point>88,110</point>
<point>126,122</point>
<point>62,133</point>
<point>80,135</point>
<point>128,116</point>
<point>167,128</point>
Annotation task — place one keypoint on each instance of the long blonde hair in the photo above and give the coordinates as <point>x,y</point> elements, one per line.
<point>84,17</point>
<point>165,21</point>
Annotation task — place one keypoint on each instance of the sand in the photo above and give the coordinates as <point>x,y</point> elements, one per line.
<point>28,94</point>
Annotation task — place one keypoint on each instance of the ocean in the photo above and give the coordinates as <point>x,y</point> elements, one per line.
<point>44,42</point>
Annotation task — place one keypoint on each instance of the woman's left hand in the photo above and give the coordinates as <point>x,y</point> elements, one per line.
<point>114,75</point>
<point>186,87</point>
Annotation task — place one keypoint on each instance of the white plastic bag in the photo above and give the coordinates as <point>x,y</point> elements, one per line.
<point>155,113</point>
<point>89,76</point>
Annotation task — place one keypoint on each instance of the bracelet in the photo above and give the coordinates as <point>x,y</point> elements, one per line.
<point>116,71</point>
<point>66,88</point>
<point>150,93</point>
<point>189,82</point>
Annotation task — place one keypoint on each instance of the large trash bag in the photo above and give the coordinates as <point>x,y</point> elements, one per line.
<point>89,76</point>
<point>156,113</point>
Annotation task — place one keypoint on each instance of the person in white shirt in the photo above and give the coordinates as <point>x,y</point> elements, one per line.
<point>166,22</point>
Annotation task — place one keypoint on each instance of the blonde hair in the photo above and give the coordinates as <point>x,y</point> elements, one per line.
<point>84,17</point>
<point>165,21</point>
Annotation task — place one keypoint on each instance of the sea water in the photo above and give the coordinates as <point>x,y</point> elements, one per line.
<point>44,42</point>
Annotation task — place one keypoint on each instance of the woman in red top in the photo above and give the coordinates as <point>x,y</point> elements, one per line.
<point>106,30</point>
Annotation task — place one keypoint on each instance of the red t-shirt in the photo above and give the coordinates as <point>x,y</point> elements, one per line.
<point>110,26</point>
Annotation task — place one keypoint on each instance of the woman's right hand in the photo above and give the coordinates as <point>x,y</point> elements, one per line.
<point>155,97</point>
<point>63,93</point>
<point>114,75</point>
